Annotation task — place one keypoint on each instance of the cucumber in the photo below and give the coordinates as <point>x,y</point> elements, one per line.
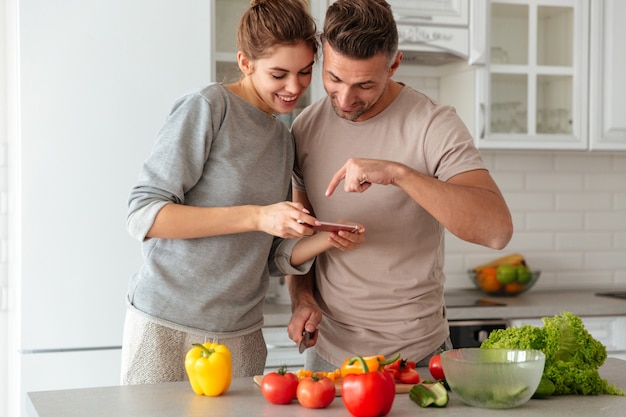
<point>428,393</point>
<point>544,389</point>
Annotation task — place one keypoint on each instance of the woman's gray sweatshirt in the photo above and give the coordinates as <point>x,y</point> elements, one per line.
<point>214,150</point>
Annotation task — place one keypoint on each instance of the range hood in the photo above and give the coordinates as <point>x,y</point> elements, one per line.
<point>432,32</point>
<point>426,45</point>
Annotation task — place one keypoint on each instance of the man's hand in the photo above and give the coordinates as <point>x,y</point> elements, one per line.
<point>306,316</point>
<point>359,174</point>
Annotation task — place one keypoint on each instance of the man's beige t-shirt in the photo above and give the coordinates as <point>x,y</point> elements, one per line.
<point>387,296</point>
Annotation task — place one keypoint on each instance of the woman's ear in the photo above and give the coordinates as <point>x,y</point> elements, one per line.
<point>245,65</point>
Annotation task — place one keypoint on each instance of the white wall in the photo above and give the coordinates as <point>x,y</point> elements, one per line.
<point>89,86</point>
<point>3,217</point>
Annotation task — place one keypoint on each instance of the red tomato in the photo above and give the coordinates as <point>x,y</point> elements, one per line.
<point>408,376</point>
<point>279,387</point>
<point>316,392</point>
<point>393,366</point>
<point>435,368</point>
<point>403,371</point>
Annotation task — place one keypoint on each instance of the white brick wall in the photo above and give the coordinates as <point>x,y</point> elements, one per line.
<point>569,212</point>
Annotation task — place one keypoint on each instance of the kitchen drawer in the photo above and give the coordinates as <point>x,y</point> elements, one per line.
<point>281,350</point>
<point>277,337</point>
<point>609,330</point>
<point>289,357</point>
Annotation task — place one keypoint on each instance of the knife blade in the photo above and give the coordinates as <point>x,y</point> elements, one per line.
<point>306,336</point>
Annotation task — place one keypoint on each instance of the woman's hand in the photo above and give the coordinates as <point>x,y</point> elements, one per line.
<point>347,241</point>
<point>286,220</point>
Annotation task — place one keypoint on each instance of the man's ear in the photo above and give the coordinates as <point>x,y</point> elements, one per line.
<point>395,64</point>
<point>245,65</point>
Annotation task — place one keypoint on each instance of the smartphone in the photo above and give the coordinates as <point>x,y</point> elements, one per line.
<point>335,227</point>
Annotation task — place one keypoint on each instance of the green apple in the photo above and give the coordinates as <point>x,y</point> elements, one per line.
<point>506,274</point>
<point>524,276</point>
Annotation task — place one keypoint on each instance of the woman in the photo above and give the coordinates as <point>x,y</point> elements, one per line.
<point>210,206</point>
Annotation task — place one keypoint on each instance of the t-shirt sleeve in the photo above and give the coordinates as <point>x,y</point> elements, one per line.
<point>450,146</point>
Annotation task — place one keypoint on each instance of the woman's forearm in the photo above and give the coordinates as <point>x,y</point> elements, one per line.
<point>177,221</point>
<point>308,248</point>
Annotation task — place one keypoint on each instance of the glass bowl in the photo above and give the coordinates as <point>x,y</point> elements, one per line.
<point>493,378</point>
<point>487,283</point>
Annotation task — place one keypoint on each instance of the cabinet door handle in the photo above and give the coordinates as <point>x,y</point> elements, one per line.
<point>482,121</point>
<point>482,335</point>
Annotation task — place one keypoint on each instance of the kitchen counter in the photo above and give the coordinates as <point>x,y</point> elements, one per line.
<point>533,304</point>
<point>244,398</point>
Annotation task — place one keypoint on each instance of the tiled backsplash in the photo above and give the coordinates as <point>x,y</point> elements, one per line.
<point>569,213</point>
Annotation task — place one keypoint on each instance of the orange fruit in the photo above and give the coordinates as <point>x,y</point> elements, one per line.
<point>488,280</point>
<point>513,288</point>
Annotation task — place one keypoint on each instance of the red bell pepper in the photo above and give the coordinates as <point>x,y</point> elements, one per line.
<point>369,394</point>
<point>403,371</point>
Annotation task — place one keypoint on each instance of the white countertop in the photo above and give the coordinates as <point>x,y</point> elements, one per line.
<point>532,304</point>
<point>244,398</point>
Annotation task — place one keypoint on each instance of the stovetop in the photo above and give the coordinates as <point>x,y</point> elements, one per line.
<point>614,294</point>
<point>468,300</point>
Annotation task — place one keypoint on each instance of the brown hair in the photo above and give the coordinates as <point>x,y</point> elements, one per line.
<point>267,23</point>
<point>361,29</point>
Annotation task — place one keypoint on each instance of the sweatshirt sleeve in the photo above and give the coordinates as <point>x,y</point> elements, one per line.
<point>141,220</point>
<point>175,164</point>
<point>280,256</point>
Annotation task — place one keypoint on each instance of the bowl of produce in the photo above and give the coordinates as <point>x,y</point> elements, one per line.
<point>506,276</point>
<point>493,378</point>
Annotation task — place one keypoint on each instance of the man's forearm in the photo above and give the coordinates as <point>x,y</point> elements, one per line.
<point>301,287</point>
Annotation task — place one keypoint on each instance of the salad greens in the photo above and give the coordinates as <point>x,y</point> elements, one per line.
<point>573,356</point>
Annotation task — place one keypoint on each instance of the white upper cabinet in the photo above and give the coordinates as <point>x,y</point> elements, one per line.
<point>532,90</point>
<point>607,89</point>
<point>550,74</point>
<point>226,20</point>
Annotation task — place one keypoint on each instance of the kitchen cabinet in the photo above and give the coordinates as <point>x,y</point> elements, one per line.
<point>226,20</point>
<point>281,350</point>
<point>532,90</point>
<point>607,84</point>
<point>608,330</point>
<point>545,74</point>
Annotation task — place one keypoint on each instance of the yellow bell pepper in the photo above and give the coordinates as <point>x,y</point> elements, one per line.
<point>209,368</point>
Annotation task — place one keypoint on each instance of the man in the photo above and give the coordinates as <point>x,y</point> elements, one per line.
<point>409,170</point>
